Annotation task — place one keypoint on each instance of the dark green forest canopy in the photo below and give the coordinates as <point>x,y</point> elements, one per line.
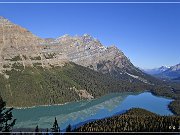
<point>134,120</point>
<point>42,86</point>
<point>54,86</point>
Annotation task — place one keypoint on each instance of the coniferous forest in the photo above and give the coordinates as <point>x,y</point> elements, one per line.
<point>134,120</point>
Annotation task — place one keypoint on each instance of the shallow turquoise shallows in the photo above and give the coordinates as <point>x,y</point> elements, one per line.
<point>78,112</point>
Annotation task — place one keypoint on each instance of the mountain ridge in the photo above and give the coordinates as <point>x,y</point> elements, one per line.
<point>165,72</point>
<point>33,68</point>
<point>155,71</point>
<point>171,73</point>
<point>23,47</point>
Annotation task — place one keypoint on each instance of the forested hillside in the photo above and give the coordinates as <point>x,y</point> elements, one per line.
<point>134,120</point>
<point>40,86</point>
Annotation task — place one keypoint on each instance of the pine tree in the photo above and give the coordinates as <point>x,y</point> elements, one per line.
<point>47,132</point>
<point>37,131</point>
<point>6,118</point>
<point>56,128</point>
<point>68,129</point>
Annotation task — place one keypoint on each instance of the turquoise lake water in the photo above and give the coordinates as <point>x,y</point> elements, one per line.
<point>77,112</point>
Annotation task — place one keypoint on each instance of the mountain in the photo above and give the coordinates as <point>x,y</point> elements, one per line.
<point>171,73</point>
<point>165,72</point>
<point>19,46</point>
<point>68,68</point>
<point>156,70</point>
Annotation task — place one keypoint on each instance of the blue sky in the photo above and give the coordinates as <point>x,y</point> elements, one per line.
<point>148,34</point>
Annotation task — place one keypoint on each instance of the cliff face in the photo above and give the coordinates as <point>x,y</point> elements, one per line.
<point>15,39</point>
<point>20,47</point>
<point>87,51</point>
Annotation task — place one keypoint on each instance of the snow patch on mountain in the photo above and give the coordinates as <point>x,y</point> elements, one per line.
<point>139,78</point>
<point>156,70</point>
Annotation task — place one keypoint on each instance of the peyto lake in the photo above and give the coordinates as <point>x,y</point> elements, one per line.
<point>81,111</point>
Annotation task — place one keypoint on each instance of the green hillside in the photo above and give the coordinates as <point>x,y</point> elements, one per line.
<point>134,120</point>
<point>37,86</point>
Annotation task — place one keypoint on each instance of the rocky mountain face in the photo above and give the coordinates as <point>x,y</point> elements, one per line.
<point>17,45</point>
<point>20,47</point>
<point>89,52</point>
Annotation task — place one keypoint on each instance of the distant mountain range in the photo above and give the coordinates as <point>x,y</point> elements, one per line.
<point>172,72</point>
<point>156,70</point>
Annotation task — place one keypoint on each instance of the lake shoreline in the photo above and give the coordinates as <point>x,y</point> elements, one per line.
<point>78,112</point>
<point>170,98</point>
<point>37,106</point>
<point>152,92</point>
<point>29,107</point>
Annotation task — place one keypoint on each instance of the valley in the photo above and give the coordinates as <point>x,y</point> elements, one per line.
<point>60,77</point>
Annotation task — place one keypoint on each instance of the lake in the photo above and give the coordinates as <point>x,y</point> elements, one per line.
<point>77,112</point>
